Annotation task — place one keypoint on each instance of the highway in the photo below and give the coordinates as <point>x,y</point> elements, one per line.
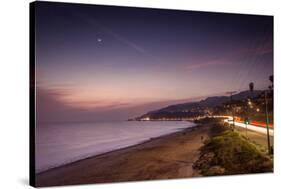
<point>259,129</point>
<point>256,132</point>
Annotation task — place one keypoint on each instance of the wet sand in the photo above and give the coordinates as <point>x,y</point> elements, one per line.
<point>165,157</point>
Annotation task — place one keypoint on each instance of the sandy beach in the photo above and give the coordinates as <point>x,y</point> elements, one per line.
<point>165,157</point>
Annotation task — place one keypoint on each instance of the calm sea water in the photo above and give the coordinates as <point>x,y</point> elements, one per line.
<point>60,144</point>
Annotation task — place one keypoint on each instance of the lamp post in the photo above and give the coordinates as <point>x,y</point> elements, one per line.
<point>233,121</point>
<point>246,126</point>
<point>267,127</point>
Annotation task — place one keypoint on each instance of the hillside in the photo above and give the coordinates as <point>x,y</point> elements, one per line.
<point>195,109</point>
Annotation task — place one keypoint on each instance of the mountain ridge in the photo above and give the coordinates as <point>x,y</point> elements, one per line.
<point>198,107</point>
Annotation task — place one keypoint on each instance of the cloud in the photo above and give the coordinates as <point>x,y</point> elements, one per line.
<point>50,108</point>
<point>230,57</point>
<point>206,64</point>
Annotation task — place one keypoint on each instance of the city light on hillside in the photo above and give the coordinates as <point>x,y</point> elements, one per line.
<point>146,119</point>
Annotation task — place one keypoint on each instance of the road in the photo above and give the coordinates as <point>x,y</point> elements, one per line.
<point>256,134</point>
<point>259,139</point>
<point>258,129</point>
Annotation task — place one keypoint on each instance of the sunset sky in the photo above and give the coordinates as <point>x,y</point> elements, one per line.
<point>107,62</point>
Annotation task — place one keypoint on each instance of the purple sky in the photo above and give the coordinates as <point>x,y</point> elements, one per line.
<point>102,62</point>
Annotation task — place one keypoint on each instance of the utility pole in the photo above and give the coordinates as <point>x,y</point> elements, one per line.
<point>233,121</point>
<point>267,127</point>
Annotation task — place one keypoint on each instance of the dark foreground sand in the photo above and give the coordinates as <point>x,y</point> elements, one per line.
<point>166,157</point>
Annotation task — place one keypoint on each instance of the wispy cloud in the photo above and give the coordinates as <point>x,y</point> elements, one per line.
<point>230,57</point>
<point>71,98</point>
<point>206,64</point>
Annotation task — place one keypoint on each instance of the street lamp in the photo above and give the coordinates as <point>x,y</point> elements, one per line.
<point>247,122</point>
<point>266,118</point>
<point>249,102</point>
<point>233,121</point>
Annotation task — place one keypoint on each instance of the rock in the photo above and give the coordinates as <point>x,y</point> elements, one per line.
<point>209,156</point>
<point>204,160</point>
<point>216,170</point>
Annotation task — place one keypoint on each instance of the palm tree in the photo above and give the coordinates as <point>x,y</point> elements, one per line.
<point>271,79</point>
<point>271,86</point>
<point>251,86</point>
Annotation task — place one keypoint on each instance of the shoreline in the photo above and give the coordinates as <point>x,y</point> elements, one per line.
<point>118,149</point>
<point>164,157</point>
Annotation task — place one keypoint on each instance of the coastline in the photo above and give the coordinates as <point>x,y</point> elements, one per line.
<point>92,142</point>
<point>166,157</point>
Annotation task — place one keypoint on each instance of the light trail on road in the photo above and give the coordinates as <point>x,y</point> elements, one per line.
<point>251,127</point>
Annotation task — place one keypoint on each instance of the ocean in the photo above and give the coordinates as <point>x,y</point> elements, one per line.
<point>59,144</point>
